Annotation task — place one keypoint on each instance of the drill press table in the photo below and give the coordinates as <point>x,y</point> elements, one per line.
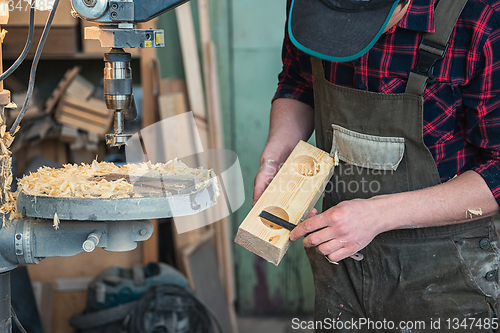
<point>160,198</point>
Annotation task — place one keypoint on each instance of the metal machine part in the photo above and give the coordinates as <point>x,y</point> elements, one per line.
<point>116,11</point>
<point>118,93</point>
<point>116,21</point>
<point>92,241</point>
<point>118,138</point>
<point>116,29</point>
<point>29,240</point>
<point>126,37</point>
<point>117,79</point>
<point>187,202</point>
<point>123,223</point>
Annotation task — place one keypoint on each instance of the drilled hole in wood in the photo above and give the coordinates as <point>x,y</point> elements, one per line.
<point>279,212</point>
<point>306,166</point>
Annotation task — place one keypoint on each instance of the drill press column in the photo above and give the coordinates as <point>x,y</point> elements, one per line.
<point>5,303</point>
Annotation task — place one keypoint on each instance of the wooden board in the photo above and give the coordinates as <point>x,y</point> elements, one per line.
<point>216,139</point>
<point>171,104</point>
<point>149,71</point>
<point>61,41</point>
<point>61,88</point>
<point>80,87</point>
<point>172,85</point>
<point>4,14</point>
<point>291,195</point>
<point>202,127</point>
<point>190,59</point>
<point>90,115</point>
<point>43,292</point>
<point>203,275</point>
<point>67,303</point>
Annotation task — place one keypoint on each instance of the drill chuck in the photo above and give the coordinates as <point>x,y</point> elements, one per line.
<point>117,80</point>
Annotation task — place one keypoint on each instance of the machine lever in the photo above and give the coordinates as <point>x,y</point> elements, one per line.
<point>92,241</point>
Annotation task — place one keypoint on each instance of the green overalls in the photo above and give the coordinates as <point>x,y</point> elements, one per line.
<point>437,274</point>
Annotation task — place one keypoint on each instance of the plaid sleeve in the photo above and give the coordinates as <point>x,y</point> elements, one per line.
<point>482,99</point>
<point>292,81</point>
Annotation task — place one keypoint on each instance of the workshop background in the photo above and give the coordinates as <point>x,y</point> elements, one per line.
<point>248,37</point>
<point>246,60</point>
<point>247,40</point>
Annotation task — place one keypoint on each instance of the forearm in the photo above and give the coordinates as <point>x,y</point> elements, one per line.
<point>459,200</point>
<point>351,225</point>
<point>291,121</point>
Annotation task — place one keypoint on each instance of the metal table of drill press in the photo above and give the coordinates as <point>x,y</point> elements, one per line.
<point>113,224</point>
<point>144,208</point>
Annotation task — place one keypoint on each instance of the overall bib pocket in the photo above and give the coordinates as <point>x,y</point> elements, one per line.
<point>367,151</point>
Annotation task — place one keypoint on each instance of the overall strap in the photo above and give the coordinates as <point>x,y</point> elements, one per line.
<point>317,67</point>
<point>433,46</point>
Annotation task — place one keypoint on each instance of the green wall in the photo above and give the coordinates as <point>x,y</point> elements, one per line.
<point>248,36</point>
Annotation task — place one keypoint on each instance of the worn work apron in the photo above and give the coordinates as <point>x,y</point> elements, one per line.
<point>422,277</point>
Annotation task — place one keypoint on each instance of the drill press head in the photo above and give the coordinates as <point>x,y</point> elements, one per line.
<point>115,28</point>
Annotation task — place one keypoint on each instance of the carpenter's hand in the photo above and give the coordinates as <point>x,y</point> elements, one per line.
<point>341,231</point>
<point>268,169</point>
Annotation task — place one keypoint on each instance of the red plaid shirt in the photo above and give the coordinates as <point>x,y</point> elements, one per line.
<point>461,109</point>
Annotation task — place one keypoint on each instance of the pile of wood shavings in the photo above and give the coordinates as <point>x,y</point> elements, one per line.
<point>6,197</point>
<point>76,180</point>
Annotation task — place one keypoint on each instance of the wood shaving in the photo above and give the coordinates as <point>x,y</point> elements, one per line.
<point>77,181</point>
<point>336,158</point>
<point>17,130</point>
<point>471,213</point>
<point>330,261</point>
<point>2,35</point>
<point>8,139</point>
<point>7,198</point>
<point>56,221</point>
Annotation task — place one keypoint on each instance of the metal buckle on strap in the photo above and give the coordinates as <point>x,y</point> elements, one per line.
<point>428,55</point>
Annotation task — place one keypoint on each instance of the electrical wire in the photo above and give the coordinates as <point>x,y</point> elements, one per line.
<point>27,46</point>
<point>36,59</point>
<point>160,299</point>
<point>16,320</point>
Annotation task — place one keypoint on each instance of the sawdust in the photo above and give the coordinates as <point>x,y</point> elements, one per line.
<point>3,33</point>
<point>82,181</point>
<point>6,196</point>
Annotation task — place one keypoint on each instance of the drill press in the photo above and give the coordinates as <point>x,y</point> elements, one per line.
<point>113,224</point>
